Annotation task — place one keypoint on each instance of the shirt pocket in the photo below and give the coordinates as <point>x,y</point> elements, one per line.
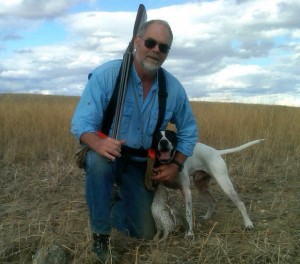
<point>126,117</point>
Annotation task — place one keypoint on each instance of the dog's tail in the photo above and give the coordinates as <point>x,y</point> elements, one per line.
<point>247,145</point>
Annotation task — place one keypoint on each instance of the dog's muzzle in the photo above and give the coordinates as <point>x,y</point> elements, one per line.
<point>165,151</point>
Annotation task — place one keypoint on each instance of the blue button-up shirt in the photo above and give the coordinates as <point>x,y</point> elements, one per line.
<point>140,115</point>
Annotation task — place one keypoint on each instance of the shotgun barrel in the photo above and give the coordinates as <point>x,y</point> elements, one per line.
<point>125,70</point>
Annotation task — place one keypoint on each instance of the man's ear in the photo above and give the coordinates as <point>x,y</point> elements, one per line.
<point>136,42</point>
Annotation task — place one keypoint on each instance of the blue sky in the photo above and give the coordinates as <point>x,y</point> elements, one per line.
<point>244,51</point>
<point>123,5</point>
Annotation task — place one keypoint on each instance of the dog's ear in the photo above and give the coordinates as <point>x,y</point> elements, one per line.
<point>172,136</point>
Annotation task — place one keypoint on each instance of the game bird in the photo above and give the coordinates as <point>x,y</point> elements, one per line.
<point>167,218</point>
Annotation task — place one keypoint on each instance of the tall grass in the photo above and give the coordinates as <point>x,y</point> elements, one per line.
<point>35,127</point>
<point>42,196</point>
<point>222,124</point>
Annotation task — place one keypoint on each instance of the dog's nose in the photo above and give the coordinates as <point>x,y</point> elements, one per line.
<point>164,143</point>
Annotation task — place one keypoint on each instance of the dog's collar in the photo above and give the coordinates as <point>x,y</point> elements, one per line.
<point>180,166</point>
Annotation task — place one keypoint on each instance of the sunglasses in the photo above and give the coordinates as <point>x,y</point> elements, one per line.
<point>151,43</point>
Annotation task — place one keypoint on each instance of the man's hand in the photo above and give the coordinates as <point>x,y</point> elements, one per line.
<point>165,173</point>
<point>109,147</point>
<point>105,146</point>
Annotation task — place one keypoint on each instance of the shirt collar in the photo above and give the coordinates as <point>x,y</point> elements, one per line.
<point>138,81</point>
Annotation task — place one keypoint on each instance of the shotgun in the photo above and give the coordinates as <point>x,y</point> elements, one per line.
<point>125,69</point>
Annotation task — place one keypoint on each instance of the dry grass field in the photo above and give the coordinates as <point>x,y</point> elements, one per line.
<point>42,198</point>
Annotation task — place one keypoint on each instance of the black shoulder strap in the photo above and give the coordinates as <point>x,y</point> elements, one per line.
<point>111,108</point>
<point>162,101</point>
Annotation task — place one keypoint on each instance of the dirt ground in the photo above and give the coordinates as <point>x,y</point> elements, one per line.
<point>43,204</point>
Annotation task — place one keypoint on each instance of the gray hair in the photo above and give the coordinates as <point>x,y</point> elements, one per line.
<point>143,28</point>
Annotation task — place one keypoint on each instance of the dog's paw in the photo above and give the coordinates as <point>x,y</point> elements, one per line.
<point>249,226</point>
<point>205,217</point>
<point>189,234</point>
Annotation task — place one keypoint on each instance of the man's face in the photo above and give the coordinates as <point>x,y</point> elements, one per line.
<point>157,39</point>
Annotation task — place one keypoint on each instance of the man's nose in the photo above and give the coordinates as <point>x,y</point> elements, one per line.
<point>156,48</point>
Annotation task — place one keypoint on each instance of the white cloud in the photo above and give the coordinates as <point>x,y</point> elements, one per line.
<point>235,76</point>
<point>222,50</point>
<point>6,6</point>
<point>35,9</point>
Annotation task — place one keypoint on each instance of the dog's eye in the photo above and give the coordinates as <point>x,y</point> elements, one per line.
<point>174,139</point>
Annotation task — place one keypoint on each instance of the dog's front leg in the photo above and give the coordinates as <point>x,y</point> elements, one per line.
<point>187,196</point>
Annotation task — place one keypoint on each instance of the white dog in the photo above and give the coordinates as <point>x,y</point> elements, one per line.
<point>206,162</point>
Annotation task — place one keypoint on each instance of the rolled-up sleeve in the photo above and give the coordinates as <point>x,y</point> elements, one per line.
<point>183,116</point>
<point>88,115</point>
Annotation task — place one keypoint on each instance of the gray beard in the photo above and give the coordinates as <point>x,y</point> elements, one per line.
<point>150,67</point>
